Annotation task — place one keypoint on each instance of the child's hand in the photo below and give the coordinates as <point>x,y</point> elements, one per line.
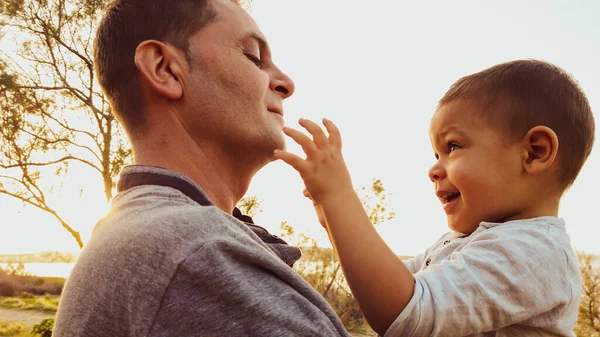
<point>324,171</point>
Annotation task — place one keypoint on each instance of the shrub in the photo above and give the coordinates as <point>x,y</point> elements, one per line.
<point>13,302</point>
<point>15,281</point>
<point>11,328</point>
<point>8,288</point>
<point>25,294</point>
<point>44,328</point>
<point>52,288</point>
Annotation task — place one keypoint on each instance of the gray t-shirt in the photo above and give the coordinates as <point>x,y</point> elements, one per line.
<point>159,264</point>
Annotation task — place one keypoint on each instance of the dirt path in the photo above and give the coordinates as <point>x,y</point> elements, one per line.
<point>23,316</point>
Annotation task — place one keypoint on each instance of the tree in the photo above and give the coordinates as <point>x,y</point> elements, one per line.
<point>52,111</point>
<point>588,322</point>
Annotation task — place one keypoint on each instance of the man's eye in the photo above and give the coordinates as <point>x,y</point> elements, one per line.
<point>258,62</point>
<point>452,147</point>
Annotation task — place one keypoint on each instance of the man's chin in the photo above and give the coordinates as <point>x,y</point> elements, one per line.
<point>268,146</point>
<point>277,142</point>
<point>282,145</point>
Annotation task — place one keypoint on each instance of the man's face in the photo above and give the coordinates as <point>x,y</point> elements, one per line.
<point>478,174</point>
<point>233,92</point>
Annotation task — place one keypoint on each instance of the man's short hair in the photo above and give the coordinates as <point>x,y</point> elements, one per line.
<point>520,95</point>
<point>125,25</point>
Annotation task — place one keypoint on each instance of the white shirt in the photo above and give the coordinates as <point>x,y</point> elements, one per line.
<point>519,278</point>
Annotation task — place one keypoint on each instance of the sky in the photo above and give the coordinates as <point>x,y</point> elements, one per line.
<point>377,69</point>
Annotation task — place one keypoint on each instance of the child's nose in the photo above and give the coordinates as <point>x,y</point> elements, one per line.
<point>436,172</point>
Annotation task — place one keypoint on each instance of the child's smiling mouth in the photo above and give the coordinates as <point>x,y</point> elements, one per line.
<point>448,199</point>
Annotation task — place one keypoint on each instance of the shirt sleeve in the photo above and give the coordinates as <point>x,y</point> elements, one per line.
<point>413,263</point>
<point>502,277</point>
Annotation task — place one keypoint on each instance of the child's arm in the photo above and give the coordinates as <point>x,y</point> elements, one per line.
<point>380,281</point>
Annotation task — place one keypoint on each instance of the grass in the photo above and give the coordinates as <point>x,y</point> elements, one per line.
<point>47,303</point>
<point>12,329</point>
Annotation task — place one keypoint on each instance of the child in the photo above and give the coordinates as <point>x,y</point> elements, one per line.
<point>509,141</point>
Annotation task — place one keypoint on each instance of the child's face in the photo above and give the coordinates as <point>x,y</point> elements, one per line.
<point>478,174</point>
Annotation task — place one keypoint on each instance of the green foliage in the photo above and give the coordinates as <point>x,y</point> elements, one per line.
<point>11,328</point>
<point>44,328</point>
<point>375,200</point>
<point>25,294</point>
<point>588,322</point>
<point>249,205</point>
<point>46,303</point>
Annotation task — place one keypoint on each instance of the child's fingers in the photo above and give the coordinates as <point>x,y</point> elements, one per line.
<point>308,146</point>
<point>335,138</point>
<point>291,159</point>
<point>315,130</point>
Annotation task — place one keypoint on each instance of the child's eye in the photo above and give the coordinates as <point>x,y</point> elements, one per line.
<point>452,147</point>
<point>257,61</point>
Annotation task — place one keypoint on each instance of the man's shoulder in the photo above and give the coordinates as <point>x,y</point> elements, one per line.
<point>154,222</point>
<point>159,208</point>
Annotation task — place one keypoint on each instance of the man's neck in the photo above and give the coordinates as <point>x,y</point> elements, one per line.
<point>222,179</point>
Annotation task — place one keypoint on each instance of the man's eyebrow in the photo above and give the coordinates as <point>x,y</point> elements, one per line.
<point>262,43</point>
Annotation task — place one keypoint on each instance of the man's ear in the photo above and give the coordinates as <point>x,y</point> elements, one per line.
<point>160,67</point>
<point>541,148</point>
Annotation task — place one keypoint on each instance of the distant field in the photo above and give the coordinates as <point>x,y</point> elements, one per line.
<point>47,257</point>
<point>47,304</point>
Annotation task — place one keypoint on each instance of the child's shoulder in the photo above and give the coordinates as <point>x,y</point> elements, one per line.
<point>542,228</point>
<point>543,239</point>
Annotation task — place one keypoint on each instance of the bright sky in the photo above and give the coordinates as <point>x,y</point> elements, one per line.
<point>377,69</point>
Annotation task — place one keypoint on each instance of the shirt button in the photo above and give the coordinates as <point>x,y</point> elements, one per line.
<point>446,242</point>
<point>427,262</point>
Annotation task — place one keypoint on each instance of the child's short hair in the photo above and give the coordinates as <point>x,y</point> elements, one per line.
<point>520,95</point>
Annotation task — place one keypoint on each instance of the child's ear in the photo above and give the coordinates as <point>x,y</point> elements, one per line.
<point>160,66</point>
<point>541,145</point>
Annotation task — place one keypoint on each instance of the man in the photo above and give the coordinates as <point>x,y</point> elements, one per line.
<point>197,92</point>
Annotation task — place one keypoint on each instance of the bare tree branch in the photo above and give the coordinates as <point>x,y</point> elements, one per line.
<point>52,162</point>
<point>45,208</point>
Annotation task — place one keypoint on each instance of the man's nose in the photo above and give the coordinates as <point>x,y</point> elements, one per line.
<point>283,84</point>
<point>436,172</point>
